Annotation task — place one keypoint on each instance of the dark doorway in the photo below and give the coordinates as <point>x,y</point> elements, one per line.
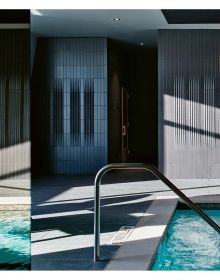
<point>124,124</point>
<point>132,103</point>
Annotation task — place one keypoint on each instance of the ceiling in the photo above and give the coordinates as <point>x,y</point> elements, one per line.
<point>134,26</point>
<point>192,16</point>
<point>14,16</point>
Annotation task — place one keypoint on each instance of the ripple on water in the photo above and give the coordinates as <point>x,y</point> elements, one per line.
<point>190,243</point>
<point>14,240</point>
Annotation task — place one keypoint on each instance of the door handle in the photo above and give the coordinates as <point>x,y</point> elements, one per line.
<point>123,130</point>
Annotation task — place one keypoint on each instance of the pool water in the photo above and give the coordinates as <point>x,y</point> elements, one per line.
<point>190,243</point>
<point>15,240</point>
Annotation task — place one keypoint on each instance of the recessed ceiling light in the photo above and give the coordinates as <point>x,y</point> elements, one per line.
<point>141,43</point>
<point>116,19</point>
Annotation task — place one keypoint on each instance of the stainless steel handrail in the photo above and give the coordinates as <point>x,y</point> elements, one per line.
<point>157,173</point>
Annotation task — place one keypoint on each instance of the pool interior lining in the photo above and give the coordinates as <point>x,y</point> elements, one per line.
<point>181,206</point>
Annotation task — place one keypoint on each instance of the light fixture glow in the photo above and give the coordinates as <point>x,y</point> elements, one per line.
<point>116,19</point>
<point>141,43</point>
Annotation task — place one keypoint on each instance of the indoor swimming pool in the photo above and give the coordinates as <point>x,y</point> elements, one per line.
<point>190,243</point>
<point>15,240</point>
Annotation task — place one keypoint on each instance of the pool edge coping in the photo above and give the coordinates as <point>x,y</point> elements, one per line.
<point>10,200</point>
<point>139,254</point>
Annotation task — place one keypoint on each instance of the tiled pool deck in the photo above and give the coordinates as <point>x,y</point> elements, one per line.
<point>62,210</point>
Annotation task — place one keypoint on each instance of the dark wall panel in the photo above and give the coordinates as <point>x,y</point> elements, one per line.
<point>69,111</point>
<point>189,102</point>
<point>75,111</point>
<point>14,104</point>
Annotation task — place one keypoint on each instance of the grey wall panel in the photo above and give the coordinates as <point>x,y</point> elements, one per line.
<point>69,86</point>
<point>14,104</point>
<point>189,103</point>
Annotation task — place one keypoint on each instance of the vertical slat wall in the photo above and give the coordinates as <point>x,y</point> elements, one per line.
<point>75,112</point>
<point>189,103</point>
<point>70,90</point>
<point>14,104</point>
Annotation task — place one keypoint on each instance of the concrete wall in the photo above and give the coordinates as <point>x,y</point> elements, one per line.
<point>189,102</point>
<point>14,108</point>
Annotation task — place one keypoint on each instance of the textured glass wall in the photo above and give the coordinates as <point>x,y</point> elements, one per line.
<point>14,104</point>
<point>70,105</point>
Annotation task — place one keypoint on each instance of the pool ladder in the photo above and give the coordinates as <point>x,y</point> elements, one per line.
<point>158,174</point>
